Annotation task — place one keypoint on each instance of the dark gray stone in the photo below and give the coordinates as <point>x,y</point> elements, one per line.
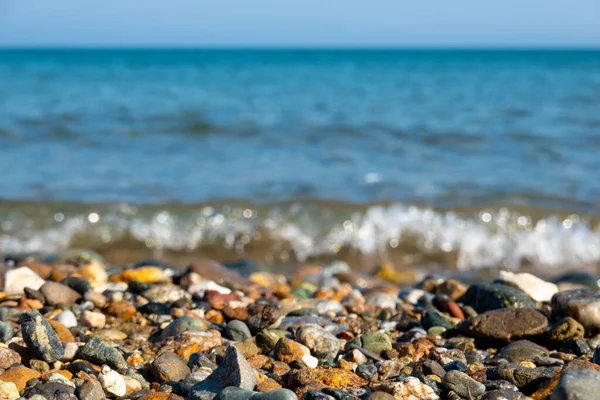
<point>237,330</point>
<point>199,360</point>
<point>462,384</point>
<point>577,385</point>
<point>39,337</point>
<point>234,370</point>
<point>491,296</point>
<point>234,393</point>
<point>91,389</point>
<point>98,352</point>
<point>277,394</point>
<point>367,371</point>
<point>503,395</point>
<point>522,350</point>
<point>434,318</point>
<point>6,332</point>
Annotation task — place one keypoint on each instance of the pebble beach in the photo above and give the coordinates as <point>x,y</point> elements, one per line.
<point>76,327</point>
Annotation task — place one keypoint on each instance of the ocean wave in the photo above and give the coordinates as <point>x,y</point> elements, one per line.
<point>302,231</point>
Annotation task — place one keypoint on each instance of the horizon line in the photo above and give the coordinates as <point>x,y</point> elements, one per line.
<point>496,47</point>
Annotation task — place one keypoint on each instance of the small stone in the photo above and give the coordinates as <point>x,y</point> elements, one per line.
<point>375,342</point>
<point>435,319</point>
<point>17,279</point>
<point>567,328</point>
<point>234,370</point>
<point>155,308</point>
<point>78,284</point>
<point>581,304</point>
<point>63,333</point>
<point>185,324</point>
<point>67,318</point>
<point>166,294</point>
<point>19,375</point>
<point>8,357</point>
<point>577,346</point>
<point>263,316</point>
<point>277,394</point>
<point>378,395</point>
<point>93,320</point>
<point>6,332</point>
<point>56,293</point>
<point>287,350</point>
<point>237,330</point>
<point>235,393</point>
<point>40,366</point>
<point>148,274</point>
<point>321,343</point>
<point>367,371</point>
<point>577,385</point>
<point>491,296</point>
<point>538,289</point>
<point>168,367</point>
<point>39,337</point>
<point>98,352</point>
<point>463,384</point>
<point>505,324</point>
<point>8,391</point>
<point>121,309</point>
<point>522,350</point>
<point>301,380</point>
<point>71,350</point>
<point>199,360</point>
<point>408,388</point>
<point>90,389</point>
<point>112,382</point>
<point>55,377</point>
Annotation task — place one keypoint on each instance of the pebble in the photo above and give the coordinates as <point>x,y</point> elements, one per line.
<point>505,324</point>
<point>567,328</point>
<point>237,330</point>
<point>97,351</point>
<point>112,382</point>
<point>538,289</point>
<point>90,389</point>
<point>234,370</point>
<point>321,343</point>
<point>17,279</point>
<point>577,385</point>
<point>19,375</point>
<point>366,371</point>
<point>522,350</point>
<point>67,318</point>
<point>581,304</point>
<point>168,367</point>
<point>93,320</point>
<point>56,293</point>
<point>8,391</point>
<point>39,337</point>
<point>375,342</point>
<point>462,384</point>
<point>490,296</point>
<point>6,332</point>
<point>185,324</point>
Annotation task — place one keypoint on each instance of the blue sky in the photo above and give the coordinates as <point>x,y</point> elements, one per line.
<point>280,23</point>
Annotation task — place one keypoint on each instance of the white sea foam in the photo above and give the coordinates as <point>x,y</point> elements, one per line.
<point>491,238</point>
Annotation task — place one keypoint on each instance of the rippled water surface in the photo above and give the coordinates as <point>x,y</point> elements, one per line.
<point>477,157</point>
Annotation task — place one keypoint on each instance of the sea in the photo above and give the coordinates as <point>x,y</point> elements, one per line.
<point>458,160</point>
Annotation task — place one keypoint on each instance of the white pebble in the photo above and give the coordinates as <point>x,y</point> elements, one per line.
<point>538,289</point>
<point>112,382</point>
<point>67,318</point>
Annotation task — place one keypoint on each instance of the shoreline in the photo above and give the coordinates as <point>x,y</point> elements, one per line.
<point>75,324</point>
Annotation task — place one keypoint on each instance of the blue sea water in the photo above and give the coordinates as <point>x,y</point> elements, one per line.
<point>182,135</point>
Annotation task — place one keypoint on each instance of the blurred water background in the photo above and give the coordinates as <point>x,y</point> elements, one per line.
<point>439,159</point>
